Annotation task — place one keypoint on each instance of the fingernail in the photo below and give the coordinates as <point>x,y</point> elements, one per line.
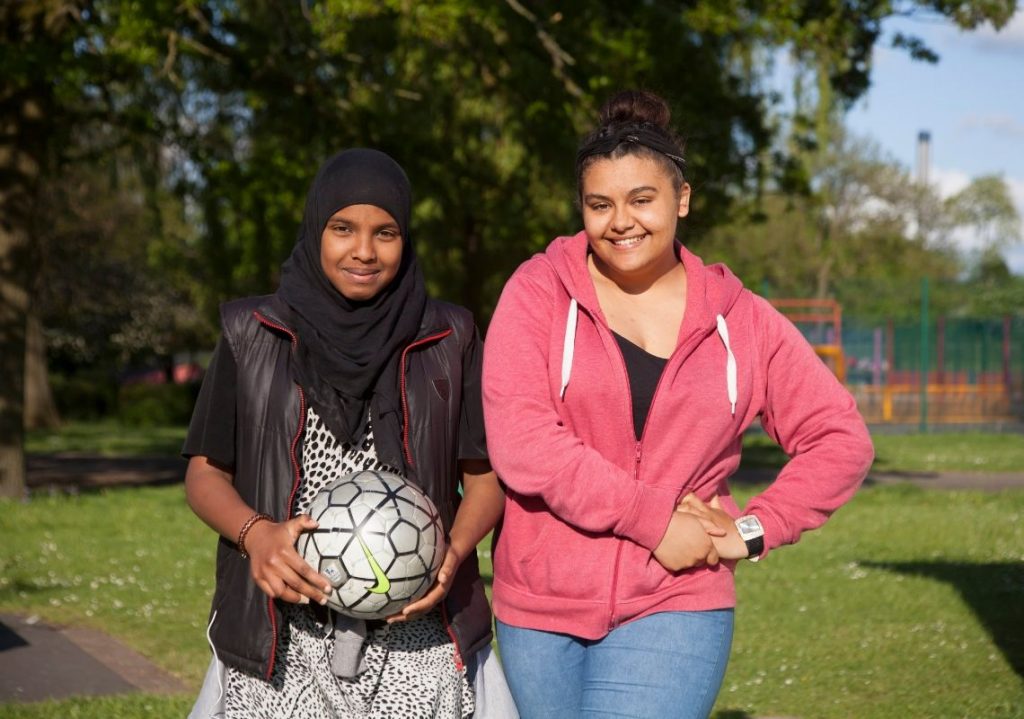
<point>323,601</point>
<point>327,589</point>
<point>303,600</point>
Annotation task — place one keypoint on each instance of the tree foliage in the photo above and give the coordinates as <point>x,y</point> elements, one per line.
<point>866,233</point>
<point>483,103</point>
<point>230,107</point>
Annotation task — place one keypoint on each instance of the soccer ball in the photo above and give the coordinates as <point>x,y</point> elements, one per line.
<point>380,542</point>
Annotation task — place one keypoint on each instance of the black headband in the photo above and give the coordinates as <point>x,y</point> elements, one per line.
<point>640,133</point>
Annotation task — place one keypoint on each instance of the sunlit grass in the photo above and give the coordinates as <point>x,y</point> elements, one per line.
<point>131,706</point>
<point>937,452</point>
<point>969,452</point>
<point>908,603</point>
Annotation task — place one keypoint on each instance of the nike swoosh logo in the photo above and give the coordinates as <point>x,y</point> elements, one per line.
<point>383,583</point>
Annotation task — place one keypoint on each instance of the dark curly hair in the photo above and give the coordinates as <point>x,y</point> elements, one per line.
<point>634,122</point>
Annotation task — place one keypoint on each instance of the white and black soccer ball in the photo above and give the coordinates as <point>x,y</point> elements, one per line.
<point>380,542</point>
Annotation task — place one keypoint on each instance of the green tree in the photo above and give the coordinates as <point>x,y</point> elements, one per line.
<point>986,208</point>
<point>233,105</point>
<point>34,33</point>
<point>67,73</point>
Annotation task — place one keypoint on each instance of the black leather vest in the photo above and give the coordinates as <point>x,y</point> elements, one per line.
<point>270,420</point>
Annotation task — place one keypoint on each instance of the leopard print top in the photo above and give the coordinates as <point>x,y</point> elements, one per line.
<point>410,666</point>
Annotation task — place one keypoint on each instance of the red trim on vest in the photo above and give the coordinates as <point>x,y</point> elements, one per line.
<point>295,483</point>
<point>405,402</point>
<point>459,664</point>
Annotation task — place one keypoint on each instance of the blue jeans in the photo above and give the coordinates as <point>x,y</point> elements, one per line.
<point>665,665</point>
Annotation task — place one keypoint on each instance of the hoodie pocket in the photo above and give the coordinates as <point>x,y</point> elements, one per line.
<point>542,555</point>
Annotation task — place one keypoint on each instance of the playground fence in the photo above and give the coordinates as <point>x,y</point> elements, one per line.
<point>949,370</point>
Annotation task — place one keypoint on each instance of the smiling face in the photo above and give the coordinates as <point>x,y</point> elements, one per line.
<point>361,251</point>
<point>630,212</point>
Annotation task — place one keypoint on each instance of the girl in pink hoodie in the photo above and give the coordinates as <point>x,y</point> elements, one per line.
<point>619,375</point>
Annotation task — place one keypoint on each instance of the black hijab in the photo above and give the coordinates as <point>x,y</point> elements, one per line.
<point>347,355</point>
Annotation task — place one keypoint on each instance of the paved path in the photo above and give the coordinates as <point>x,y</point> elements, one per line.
<point>44,662</point>
<point>39,661</point>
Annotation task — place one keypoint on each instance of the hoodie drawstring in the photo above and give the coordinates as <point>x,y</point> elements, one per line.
<point>730,363</point>
<point>569,345</point>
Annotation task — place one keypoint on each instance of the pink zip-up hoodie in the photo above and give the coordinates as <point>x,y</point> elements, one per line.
<point>588,502</point>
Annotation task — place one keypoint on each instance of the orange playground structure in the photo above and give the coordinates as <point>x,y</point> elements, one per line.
<point>973,375</point>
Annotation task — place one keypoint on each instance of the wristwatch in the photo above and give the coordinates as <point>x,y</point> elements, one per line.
<point>752,533</point>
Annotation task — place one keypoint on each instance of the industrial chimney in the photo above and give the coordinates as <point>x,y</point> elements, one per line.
<point>924,141</point>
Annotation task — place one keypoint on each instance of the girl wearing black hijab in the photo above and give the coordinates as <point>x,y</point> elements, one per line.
<point>348,366</point>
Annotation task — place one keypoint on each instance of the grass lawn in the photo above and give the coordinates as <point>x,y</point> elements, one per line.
<point>879,614</point>
<point>966,452</point>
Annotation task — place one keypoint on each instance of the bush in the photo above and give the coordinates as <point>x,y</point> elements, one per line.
<point>88,395</point>
<point>151,405</point>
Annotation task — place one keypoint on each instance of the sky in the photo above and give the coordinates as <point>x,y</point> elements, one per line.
<point>971,102</point>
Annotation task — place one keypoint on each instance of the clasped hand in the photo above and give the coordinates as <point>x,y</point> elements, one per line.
<point>699,533</point>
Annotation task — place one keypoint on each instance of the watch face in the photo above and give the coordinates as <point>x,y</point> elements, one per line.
<point>749,525</point>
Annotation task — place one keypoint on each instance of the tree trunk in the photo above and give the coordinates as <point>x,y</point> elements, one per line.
<point>13,326</point>
<point>40,409</point>
<point>21,122</point>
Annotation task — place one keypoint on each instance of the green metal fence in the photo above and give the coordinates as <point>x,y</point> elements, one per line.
<point>973,369</point>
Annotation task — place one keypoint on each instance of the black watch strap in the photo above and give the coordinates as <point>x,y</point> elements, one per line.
<point>755,546</point>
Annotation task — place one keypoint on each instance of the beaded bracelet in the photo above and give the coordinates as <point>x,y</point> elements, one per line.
<point>257,517</point>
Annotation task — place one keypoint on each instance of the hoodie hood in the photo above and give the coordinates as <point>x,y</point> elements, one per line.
<point>711,292</point>
<point>711,289</point>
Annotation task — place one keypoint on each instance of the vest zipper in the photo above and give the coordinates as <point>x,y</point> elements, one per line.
<point>459,664</point>
<point>405,401</point>
<point>295,483</point>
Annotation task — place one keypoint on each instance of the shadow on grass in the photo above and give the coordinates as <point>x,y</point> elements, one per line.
<point>19,588</point>
<point>994,592</point>
<point>74,472</point>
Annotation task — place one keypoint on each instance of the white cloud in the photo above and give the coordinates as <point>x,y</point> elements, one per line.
<point>949,182</point>
<point>1016,186</point>
<point>1001,125</point>
<point>1014,257</point>
<point>1009,39</point>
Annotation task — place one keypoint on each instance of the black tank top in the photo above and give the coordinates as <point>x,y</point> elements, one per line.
<point>644,370</point>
